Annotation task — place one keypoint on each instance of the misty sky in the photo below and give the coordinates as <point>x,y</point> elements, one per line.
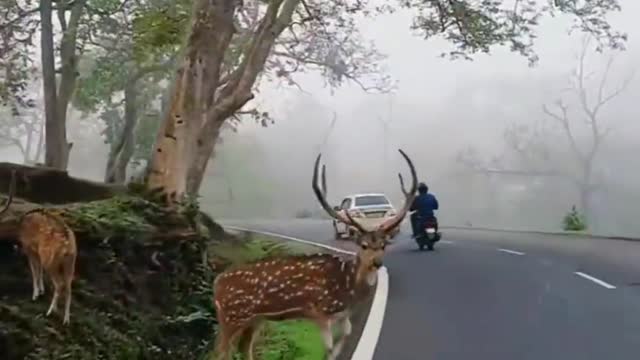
<point>427,84</point>
<point>452,104</point>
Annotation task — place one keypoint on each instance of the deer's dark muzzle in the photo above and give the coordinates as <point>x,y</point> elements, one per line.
<point>377,263</point>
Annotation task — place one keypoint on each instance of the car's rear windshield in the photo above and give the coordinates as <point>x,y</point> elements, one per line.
<point>371,200</point>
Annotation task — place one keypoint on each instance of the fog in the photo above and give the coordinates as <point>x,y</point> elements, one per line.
<point>440,109</point>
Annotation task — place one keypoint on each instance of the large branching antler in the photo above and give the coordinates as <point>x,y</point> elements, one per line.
<point>321,194</point>
<point>402,188</point>
<point>393,222</point>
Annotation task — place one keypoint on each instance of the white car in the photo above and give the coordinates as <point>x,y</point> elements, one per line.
<point>370,210</point>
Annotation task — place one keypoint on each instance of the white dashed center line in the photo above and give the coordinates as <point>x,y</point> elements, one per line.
<point>512,252</point>
<point>595,280</point>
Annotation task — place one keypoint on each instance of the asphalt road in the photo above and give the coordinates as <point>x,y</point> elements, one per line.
<point>494,296</point>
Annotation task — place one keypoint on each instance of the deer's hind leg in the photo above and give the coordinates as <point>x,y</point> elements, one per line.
<point>226,341</point>
<point>221,351</point>
<point>68,270</point>
<point>36,269</point>
<point>248,338</point>
<point>57,279</point>
<point>41,277</point>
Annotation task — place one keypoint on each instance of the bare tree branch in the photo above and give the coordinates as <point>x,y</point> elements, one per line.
<point>563,119</point>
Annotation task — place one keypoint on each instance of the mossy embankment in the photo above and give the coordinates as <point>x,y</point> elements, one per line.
<point>134,296</point>
<point>143,285</point>
<point>137,301</point>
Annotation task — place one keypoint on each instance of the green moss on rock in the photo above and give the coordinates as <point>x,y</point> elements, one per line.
<point>132,299</point>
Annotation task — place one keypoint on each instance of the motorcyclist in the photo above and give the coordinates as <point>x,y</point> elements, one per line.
<point>423,206</point>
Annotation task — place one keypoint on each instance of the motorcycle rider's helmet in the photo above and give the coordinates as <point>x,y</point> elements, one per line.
<point>423,188</point>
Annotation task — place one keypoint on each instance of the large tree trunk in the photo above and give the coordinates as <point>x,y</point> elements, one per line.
<point>57,101</point>
<point>55,137</point>
<point>122,151</point>
<point>69,72</point>
<point>195,85</point>
<point>200,103</point>
<point>198,166</point>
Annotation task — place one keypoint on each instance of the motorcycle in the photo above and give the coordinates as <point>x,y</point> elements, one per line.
<point>429,234</point>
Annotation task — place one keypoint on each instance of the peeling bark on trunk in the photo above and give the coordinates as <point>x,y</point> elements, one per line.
<point>237,92</point>
<point>199,165</point>
<point>194,89</point>
<point>198,107</point>
<point>122,151</point>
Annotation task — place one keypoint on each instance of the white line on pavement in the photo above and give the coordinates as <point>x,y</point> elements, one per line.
<point>371,333</point>
<point>446,242</point>
<point>513,252</point>
<point>595,280</point>
<point>342,251</point>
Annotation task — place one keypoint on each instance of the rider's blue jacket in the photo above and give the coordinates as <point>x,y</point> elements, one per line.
<point>425,204</point>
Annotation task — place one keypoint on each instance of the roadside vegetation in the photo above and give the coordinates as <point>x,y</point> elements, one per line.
<point>126,307</point>
<point>574,221</point>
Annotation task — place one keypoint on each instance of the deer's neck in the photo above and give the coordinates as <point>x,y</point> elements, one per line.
<point>363,280</point>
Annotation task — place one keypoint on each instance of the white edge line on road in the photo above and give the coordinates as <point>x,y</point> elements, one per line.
<point>370,334</point>
<point>513,252</point>
<point>446,241</point>
<point>338,250</point>
<point>595,280</point>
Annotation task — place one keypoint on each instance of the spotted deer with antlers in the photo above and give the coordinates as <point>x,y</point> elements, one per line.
<point>321,287</point>
<point>50,246</point>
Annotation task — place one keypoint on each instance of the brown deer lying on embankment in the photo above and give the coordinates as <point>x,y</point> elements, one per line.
<point>322,287</point>
<point>50,246</point>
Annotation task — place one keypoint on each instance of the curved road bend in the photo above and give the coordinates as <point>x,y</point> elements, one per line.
<point>503,296</point>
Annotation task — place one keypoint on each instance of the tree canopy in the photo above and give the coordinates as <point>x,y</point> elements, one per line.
<point>474,26</point>
<point>122,45</point>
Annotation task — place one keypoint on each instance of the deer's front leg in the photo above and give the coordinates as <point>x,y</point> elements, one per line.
<point>324,323</point>
<point>345,330</point>
<point>327,334</point>
<point>346,326</point>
